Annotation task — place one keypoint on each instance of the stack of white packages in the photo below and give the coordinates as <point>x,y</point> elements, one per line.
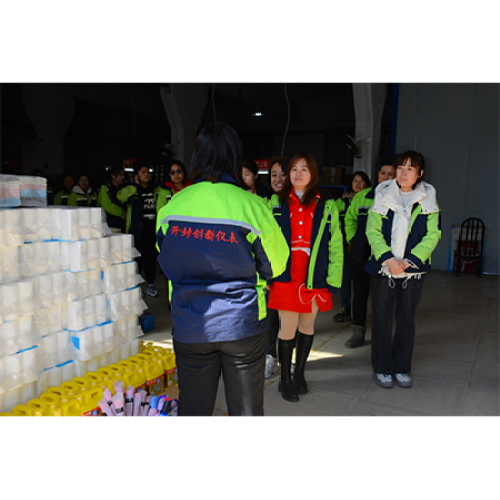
<point>70,298</point>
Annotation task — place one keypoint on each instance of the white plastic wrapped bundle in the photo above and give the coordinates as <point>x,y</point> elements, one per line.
<point>54,256</point>
<point>11,398</point>
<point>41,321</point>
<point>42,258</point>
<point>105,252</point>
<point>135,347</point>
<point>26,294</point>
<point>75,315</point>
<point>125,350</point>
<point>10,195</point>
<point>28,335</point>
<point>79,256</point>
<point>129,252</point>
<point>109,279</point>
<point>43,290</point>
<point>115,249</point>
<point>30,366</point>
<point>11,269</point>
<point>81,345</point>
<point>70,224</point>
<point>55,349</point>
<point>81,368</point>
<point>132,274</point>
<point>133,327</point>
<point>109,339</point>
<point>102,312</point>
<point>115,354</point>
<point>59,288</point>
<point>10,372</point>
<point>95,282</point>
<point>9,300</point>
<point>120,276</point>
<point>85,231</point>
<point>97,341</point>
<point>138,306</point>
<point>27,261</point>
<point>9,338</point>
<point>83,284</point>
<point>55,223</point>
<point>89,312</point>
<point>97,217</point>
<point>29,223</point>
<point>13,234</point>
<point>105,360</point>
<point>29,391</point>
<point>67,371</point>
<point>94,254</point>
<point>65,255</point>
<point>33,191</point>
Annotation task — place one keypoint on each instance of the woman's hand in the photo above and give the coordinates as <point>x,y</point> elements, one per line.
<point>395,266</point>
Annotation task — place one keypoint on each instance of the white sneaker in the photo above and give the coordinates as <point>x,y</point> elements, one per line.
<point>151,291</point>
<point>271,366</point>
<point>383,380</point>
<point>402,379</point>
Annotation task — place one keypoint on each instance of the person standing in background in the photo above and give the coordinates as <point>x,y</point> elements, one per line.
<point>403,229</point>
<point>82,194</point>
<point>140,199</point>
<point>62,197</point>
<point>309,220</point>
<point>115,213</point>
<point>276,180</point>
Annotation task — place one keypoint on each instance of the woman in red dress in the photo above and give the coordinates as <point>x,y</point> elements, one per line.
<point>309,220</point>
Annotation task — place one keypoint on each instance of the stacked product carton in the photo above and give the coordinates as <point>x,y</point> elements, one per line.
<point>70,298</point>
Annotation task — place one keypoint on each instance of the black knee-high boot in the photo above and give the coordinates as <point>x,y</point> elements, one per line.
<point>303,348</point>
<point>286,387</point>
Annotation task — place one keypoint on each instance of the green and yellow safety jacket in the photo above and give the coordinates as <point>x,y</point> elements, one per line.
<point>219,246</point>
<point>326,259</point>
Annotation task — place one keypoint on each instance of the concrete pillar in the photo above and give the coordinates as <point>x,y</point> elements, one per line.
<point>51,112</point>
<point>184,105</point>
<point>369,101</point>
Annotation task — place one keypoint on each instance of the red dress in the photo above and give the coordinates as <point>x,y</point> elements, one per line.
<point>293,295</point>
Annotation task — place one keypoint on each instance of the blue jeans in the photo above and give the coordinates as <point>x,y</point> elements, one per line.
<point>393,355</point>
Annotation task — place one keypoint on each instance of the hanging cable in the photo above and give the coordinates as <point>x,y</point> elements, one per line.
<point>213,103</point>
<point>287,122</point>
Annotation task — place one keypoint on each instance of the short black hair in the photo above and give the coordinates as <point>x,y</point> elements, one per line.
<point>363,176</point>
<point>387,160</point>
<point>217,149</point>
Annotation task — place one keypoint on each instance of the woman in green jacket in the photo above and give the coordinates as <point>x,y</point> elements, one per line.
<point>140,198</point>
<point>82,194</point>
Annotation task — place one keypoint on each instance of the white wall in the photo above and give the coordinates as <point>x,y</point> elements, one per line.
<point>456,128</point>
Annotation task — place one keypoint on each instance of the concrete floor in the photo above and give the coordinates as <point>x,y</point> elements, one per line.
<point>455,368</point>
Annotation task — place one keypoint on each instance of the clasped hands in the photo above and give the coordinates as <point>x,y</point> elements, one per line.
<point>395,266</point>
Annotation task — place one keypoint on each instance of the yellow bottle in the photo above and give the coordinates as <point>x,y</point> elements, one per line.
<point>74,391</point>
<point>90,401</point>
<point>134,376</point>
<point>37,407</point>
<point>6,414</point>
<point>108,377</point>
<point>22,411</point>
<point>71,409</point>
<point>171,369</point>
<point>155,374</point>
<point>51,404</point>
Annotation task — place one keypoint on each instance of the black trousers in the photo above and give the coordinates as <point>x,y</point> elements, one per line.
<point>393,355</point>
<point>361,291</point>
<point>241,363</point>
<point>147,260</point>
